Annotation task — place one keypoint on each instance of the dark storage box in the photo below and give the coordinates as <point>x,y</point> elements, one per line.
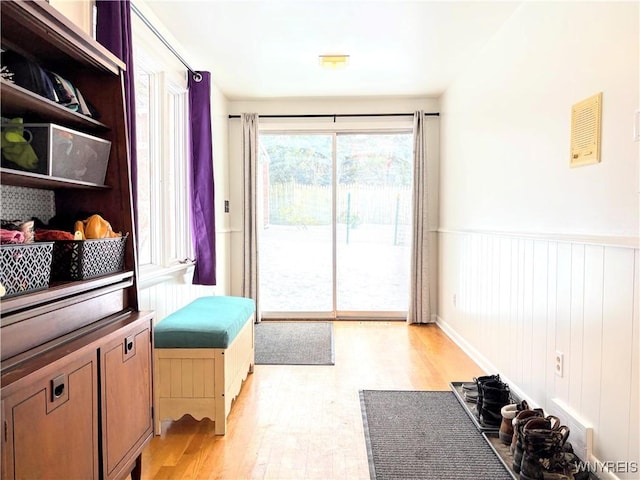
<point>83,259</point>
<point>50,149</point>
<point>26,267</point>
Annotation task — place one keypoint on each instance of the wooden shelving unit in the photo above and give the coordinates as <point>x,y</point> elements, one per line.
<point>81,349</point>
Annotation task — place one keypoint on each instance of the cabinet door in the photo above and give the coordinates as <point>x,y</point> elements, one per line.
<point>51,422</point>
<point>126,397</point>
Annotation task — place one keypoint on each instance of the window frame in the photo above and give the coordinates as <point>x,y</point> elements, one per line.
<point>170,235</point>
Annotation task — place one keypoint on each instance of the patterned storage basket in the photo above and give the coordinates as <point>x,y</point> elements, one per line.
<point>26,267</point>
<point>83,259</point>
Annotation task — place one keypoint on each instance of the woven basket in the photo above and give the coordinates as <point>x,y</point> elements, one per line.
<point>83,259</point>
<point>25,268</point>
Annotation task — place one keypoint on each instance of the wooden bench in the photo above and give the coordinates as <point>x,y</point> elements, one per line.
<point>202,354</point>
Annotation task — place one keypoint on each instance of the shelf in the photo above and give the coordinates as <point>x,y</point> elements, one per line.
<point>38,27</point>
<point>72,333</point>
<point>19,102</point>
<point>17,178</point>
<point>57,291</point>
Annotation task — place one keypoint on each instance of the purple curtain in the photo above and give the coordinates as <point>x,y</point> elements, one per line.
<point>202,187</point>
<point>113,30</point>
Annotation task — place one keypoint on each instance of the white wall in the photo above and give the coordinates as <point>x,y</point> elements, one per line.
<point>506,124</point>
<point>79,12</point>
<point>537,257</point>
<point>328,106</point>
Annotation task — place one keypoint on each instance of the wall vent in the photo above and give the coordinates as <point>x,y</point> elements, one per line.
<point>586,123</point>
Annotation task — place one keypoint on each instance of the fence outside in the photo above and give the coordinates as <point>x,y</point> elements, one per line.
<point>306,205</point>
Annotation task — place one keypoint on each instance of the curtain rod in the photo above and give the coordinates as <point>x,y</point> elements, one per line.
<point>196,76</point>
<point>335,115</point>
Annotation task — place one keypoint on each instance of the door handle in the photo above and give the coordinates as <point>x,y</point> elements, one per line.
<point>58,386</point>
<point>129,344</point>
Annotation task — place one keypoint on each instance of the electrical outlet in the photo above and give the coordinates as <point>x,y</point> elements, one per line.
<point>226,206</point>
<point>455,300</point>
<point>559,364</point>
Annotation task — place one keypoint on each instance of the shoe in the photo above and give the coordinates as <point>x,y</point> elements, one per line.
<point>516,443</point>
<point>470,392</point>
<point>495,395</point>
<point>471,397</point>
<point>567,463</point>
<point>544,440</point>
<point>466,386</point>
<point>508,413</point>
<point>480,381</point>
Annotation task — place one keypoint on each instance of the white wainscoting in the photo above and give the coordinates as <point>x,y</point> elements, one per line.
<point>512,301</point>
<point>169,294</point>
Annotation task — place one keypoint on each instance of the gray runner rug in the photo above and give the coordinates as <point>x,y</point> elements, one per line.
<point>424,435</point>
<point>294,343</point>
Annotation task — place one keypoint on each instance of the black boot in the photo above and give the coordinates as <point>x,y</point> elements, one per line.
<point>480,381</point>
<point>495,395</point>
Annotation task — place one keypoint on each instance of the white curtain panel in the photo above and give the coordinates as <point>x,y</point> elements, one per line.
<point>250,233</point>
<point>419,302</point>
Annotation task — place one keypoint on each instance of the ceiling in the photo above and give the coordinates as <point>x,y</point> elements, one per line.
<point>270,48</point>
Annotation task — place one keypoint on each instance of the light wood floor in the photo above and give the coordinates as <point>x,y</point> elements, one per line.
<point>304,422</point>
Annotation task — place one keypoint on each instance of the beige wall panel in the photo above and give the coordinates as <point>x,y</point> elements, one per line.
<point>538,340</point>
<point>574,361</point>
<point>592,333</point>
<point>617,344</point>
<point>573,297</point>
<point>563,318</point>
<point>634,417</point>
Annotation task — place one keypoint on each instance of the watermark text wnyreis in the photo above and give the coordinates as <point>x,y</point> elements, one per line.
<point>609,466</point>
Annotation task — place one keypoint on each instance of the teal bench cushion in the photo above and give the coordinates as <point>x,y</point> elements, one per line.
<point>207,322</point>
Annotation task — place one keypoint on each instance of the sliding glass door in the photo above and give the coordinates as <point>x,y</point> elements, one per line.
<point>373,205</point>
<point>335,242</point>
<point>295,246</point>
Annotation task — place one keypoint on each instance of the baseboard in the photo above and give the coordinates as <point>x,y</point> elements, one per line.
<point>486,366</point>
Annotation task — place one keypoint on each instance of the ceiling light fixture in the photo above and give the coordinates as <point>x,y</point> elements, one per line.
<point>333,61</point>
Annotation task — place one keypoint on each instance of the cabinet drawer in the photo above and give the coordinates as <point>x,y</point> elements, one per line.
<point>76,312</point>
<point>51,422</point>
<point>126,395</point>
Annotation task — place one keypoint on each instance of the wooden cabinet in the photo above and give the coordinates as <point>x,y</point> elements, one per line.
<point>126,396</point>
<point>51,421</point>
<point>75,357</point>
<point>83,409</point>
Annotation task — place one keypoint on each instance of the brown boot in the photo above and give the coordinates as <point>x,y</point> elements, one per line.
<point>544,439</point>
<point>509,412</point>
<point>516,443</point>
